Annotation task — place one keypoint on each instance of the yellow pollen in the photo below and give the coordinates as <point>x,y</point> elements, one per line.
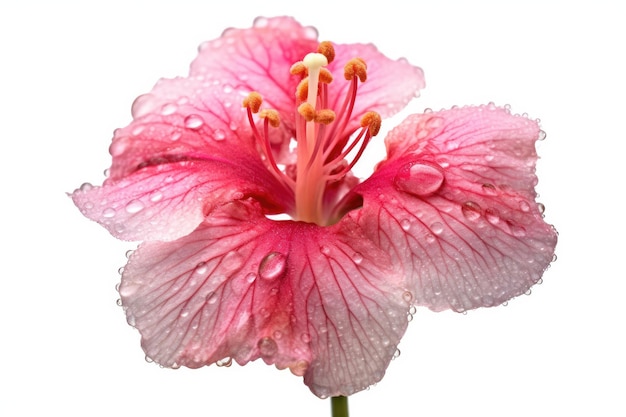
<point>325,116</point>
<point>307,111</point>
<point>272,117</point>
<point>253,101</point>
<point>356,66</point>
<point>372,120</point>
<point>326,48</point>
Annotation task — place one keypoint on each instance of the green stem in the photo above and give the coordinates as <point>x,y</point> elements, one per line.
<point>339,406</point>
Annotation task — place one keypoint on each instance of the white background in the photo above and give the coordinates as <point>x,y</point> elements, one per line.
<point>69,72</point>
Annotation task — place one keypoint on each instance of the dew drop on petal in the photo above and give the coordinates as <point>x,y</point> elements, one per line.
<point>273,266</point>
<point>396,354</point>
<point>541,207</point>
<point>193,121</point>
<point>267,347</point>
<point>134,206</point>
<point>357,258</point>
<point>299,368</point>
<point>437,228</point>
<point>489,189</point>
<point>219,135</point>
<point>156,196</point>
<point>108,213</point>
<point>224,362</point>
<point>86,187</point>
<point>542,135</point>
<point>142,105</point>
<point>492,216</point>
<point>407,296</point>
<point>524,206</point>
<point>471,210</point>
<point>325,249</point>
<point>419,178</point>
<point>405,224</point>
<point>211,297</point>
<point>305,337</point>
<point>169,108</point>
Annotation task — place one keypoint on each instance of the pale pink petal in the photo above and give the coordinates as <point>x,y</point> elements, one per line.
<point>390,84</point>
<point>259,59</point>
<point>323,302</point>
<point>455,205</point>
<point>169,199</point>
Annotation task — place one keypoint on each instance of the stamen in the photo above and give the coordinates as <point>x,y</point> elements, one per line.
<point>271,116</point>
<point>298,69</point>
<point>356,66</point>
<point>326,48</point>
<point>307,112</point>
<point>325,116</point>
<point>253,101</point>
<point>371,120</point>
<point>302,91</point>
<point>325,76</point>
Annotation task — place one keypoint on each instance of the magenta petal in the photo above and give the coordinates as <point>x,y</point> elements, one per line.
<point>479,238</point>
<point>323,302</point>
<point>169,200</point>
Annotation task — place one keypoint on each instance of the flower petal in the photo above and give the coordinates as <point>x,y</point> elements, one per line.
<point>389,87</point>
<point>170,199</point>
<point>454,202</point>
<point>320,301</point>
<point>259,59</point>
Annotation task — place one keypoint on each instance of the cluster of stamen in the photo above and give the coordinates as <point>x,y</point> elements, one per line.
<point>324,137</point>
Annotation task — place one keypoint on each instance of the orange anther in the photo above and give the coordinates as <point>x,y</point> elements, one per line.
<point>272,117</point>
<point>325,76</point>
<point>302,90</point>
<point>371,120</point>
<point>325,116</point>
<point>326,48</point>
<point>307,111</point>
<point>298,69</point>
<point>253,101</point>
<point>356,66</point>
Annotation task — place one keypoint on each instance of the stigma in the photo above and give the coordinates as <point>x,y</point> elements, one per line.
<point>328,143</point>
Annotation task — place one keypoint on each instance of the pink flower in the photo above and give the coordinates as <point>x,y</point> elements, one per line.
<point>448,220</point>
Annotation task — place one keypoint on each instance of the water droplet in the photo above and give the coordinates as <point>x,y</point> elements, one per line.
<point>357,258</point>
<point>305,337</point>
<point>86,187</point>
<point>224,362</point>
<point>228,88</point>
<point>260,22</point>
<point>553,258</point>
<point>193,121</point>
<point>137,130</point>
<point>108,213</point>
<point>134,206</point>
<point>299,368</point>
<point>437,228</point>
<point>405,224</point>
<point>211,298</point>
<point>278,335</point>
<point>149,359</point>
<point>325,249</point>
<point>492,216</point>
<point>156,196</point>
<point>430,238</point>
<point>119,302</point>
<point>177,134</point>
<point>250,278</point>
<point>129,253</point>
<point>169,108</point>
<point>541,207</point>
<point>528,292</point>
<point>524,206</point>
<point>490,189</point>
<point>489,157</point>
<point>396,354</point>
<point>542,135</point>
<point>119,271</point>
<point>517,230</point>
<point>219,135</point>
<point>201,268</point>
<point>184,313</point>
<point>267,347</point>
<point>407,296</point>
<point>419,178</point>
<point>273,266</point>
<point>142,105</point>
<point>471,210</point>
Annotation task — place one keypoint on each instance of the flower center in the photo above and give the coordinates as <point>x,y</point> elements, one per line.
<point>326,138</point>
